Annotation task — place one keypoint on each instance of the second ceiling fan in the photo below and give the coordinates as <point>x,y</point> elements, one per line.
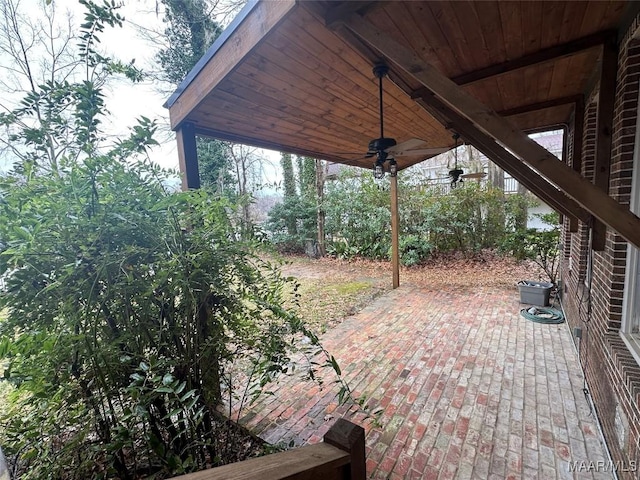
<point>457,174</point>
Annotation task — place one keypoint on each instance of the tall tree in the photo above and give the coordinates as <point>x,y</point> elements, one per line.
<point>45,77</point>
<point>190,31</point>
<point>286,162</point>
<point>215,163</point>
<point>307,176</point>
<point>290,196</point>
<point>247,167</point>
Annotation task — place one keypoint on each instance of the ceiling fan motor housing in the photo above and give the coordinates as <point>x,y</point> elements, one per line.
<point>381,144</point>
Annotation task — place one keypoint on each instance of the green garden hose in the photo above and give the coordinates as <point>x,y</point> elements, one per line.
<point>543,315</point>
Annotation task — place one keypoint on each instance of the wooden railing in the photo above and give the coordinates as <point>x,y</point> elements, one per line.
<point>340,456</point>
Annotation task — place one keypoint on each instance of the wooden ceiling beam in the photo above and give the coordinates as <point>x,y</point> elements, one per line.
<point>501,157</point>
<point>590,197</point>
<point>532,107</point>
<point>541,56</point>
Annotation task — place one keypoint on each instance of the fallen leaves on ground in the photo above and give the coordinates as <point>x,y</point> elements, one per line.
<point>332,289</point>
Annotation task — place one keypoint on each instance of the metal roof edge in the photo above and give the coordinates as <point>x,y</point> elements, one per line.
<point>213,49</point>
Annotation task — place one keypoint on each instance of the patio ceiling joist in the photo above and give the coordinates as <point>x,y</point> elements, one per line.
<point>532,107</point>
<point>541,56</point>
<point>589,196</point>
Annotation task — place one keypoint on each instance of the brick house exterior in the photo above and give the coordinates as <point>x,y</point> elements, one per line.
<point>510,67</point>
<point>593,282</point>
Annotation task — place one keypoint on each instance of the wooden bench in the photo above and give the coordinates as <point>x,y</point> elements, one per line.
<point>340,456</point>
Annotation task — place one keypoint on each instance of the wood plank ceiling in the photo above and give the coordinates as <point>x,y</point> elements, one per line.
<point>308,88</point>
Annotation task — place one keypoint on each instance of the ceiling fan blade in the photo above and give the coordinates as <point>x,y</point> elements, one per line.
<point>410,144</point>
<point>420,151</point>
<point>474,175</point>
<point>366,157</point>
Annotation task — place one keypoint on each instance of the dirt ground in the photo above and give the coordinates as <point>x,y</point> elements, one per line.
<point>332,289</point>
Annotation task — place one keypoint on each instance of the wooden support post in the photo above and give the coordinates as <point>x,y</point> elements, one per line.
<point>395,241</point>
<point>606,103</point>
<point>188,156</point>
<point>349,437</point>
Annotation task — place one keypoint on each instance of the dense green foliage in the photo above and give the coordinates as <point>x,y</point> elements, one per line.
<point>126,308</point>
<point>293,223</point>
<point>541,246</point>
<point>358,221</point>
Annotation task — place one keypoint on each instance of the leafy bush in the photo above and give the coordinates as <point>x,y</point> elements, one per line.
<point>126,308</point>
<point>541,246</point>
<point>470,218</point>
<point>299,211</point>
<point>357,216</point>
<point>413,249</point>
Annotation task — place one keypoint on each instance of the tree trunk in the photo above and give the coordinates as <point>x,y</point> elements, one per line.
<point>320,176</point>
<point>521,216</point>
<point>496,176</point>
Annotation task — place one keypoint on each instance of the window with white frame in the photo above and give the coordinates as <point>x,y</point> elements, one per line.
<point>631,303</point>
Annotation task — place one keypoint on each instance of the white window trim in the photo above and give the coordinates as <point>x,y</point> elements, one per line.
<point>631,299</point>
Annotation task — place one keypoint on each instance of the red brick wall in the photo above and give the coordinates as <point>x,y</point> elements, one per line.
<point>613,376</point>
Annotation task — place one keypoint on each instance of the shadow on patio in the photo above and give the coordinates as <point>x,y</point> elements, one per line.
<point>470,389</point>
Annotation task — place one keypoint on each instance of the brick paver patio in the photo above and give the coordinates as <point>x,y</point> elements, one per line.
<point>470,389</point>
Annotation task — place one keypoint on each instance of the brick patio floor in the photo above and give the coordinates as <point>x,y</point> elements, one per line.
<point>470,389</point>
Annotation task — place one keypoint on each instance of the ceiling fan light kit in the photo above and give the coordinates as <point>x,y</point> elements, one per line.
<point>378,169</point>
<point>388,149</point>
<point>393,168</point>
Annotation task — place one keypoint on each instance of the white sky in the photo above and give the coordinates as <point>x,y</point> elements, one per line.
<point>127,101</point>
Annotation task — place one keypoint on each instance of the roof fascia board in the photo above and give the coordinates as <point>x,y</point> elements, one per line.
<point>213,49</point>
<point>256,20</point>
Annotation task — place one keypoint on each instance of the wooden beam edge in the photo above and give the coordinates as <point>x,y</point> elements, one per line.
<point>549,54</point>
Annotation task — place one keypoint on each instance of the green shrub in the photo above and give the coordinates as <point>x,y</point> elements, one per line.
<point>126,308</point>
<point>469,218</point>
<point>541,246</point>
<point>357,216</point>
